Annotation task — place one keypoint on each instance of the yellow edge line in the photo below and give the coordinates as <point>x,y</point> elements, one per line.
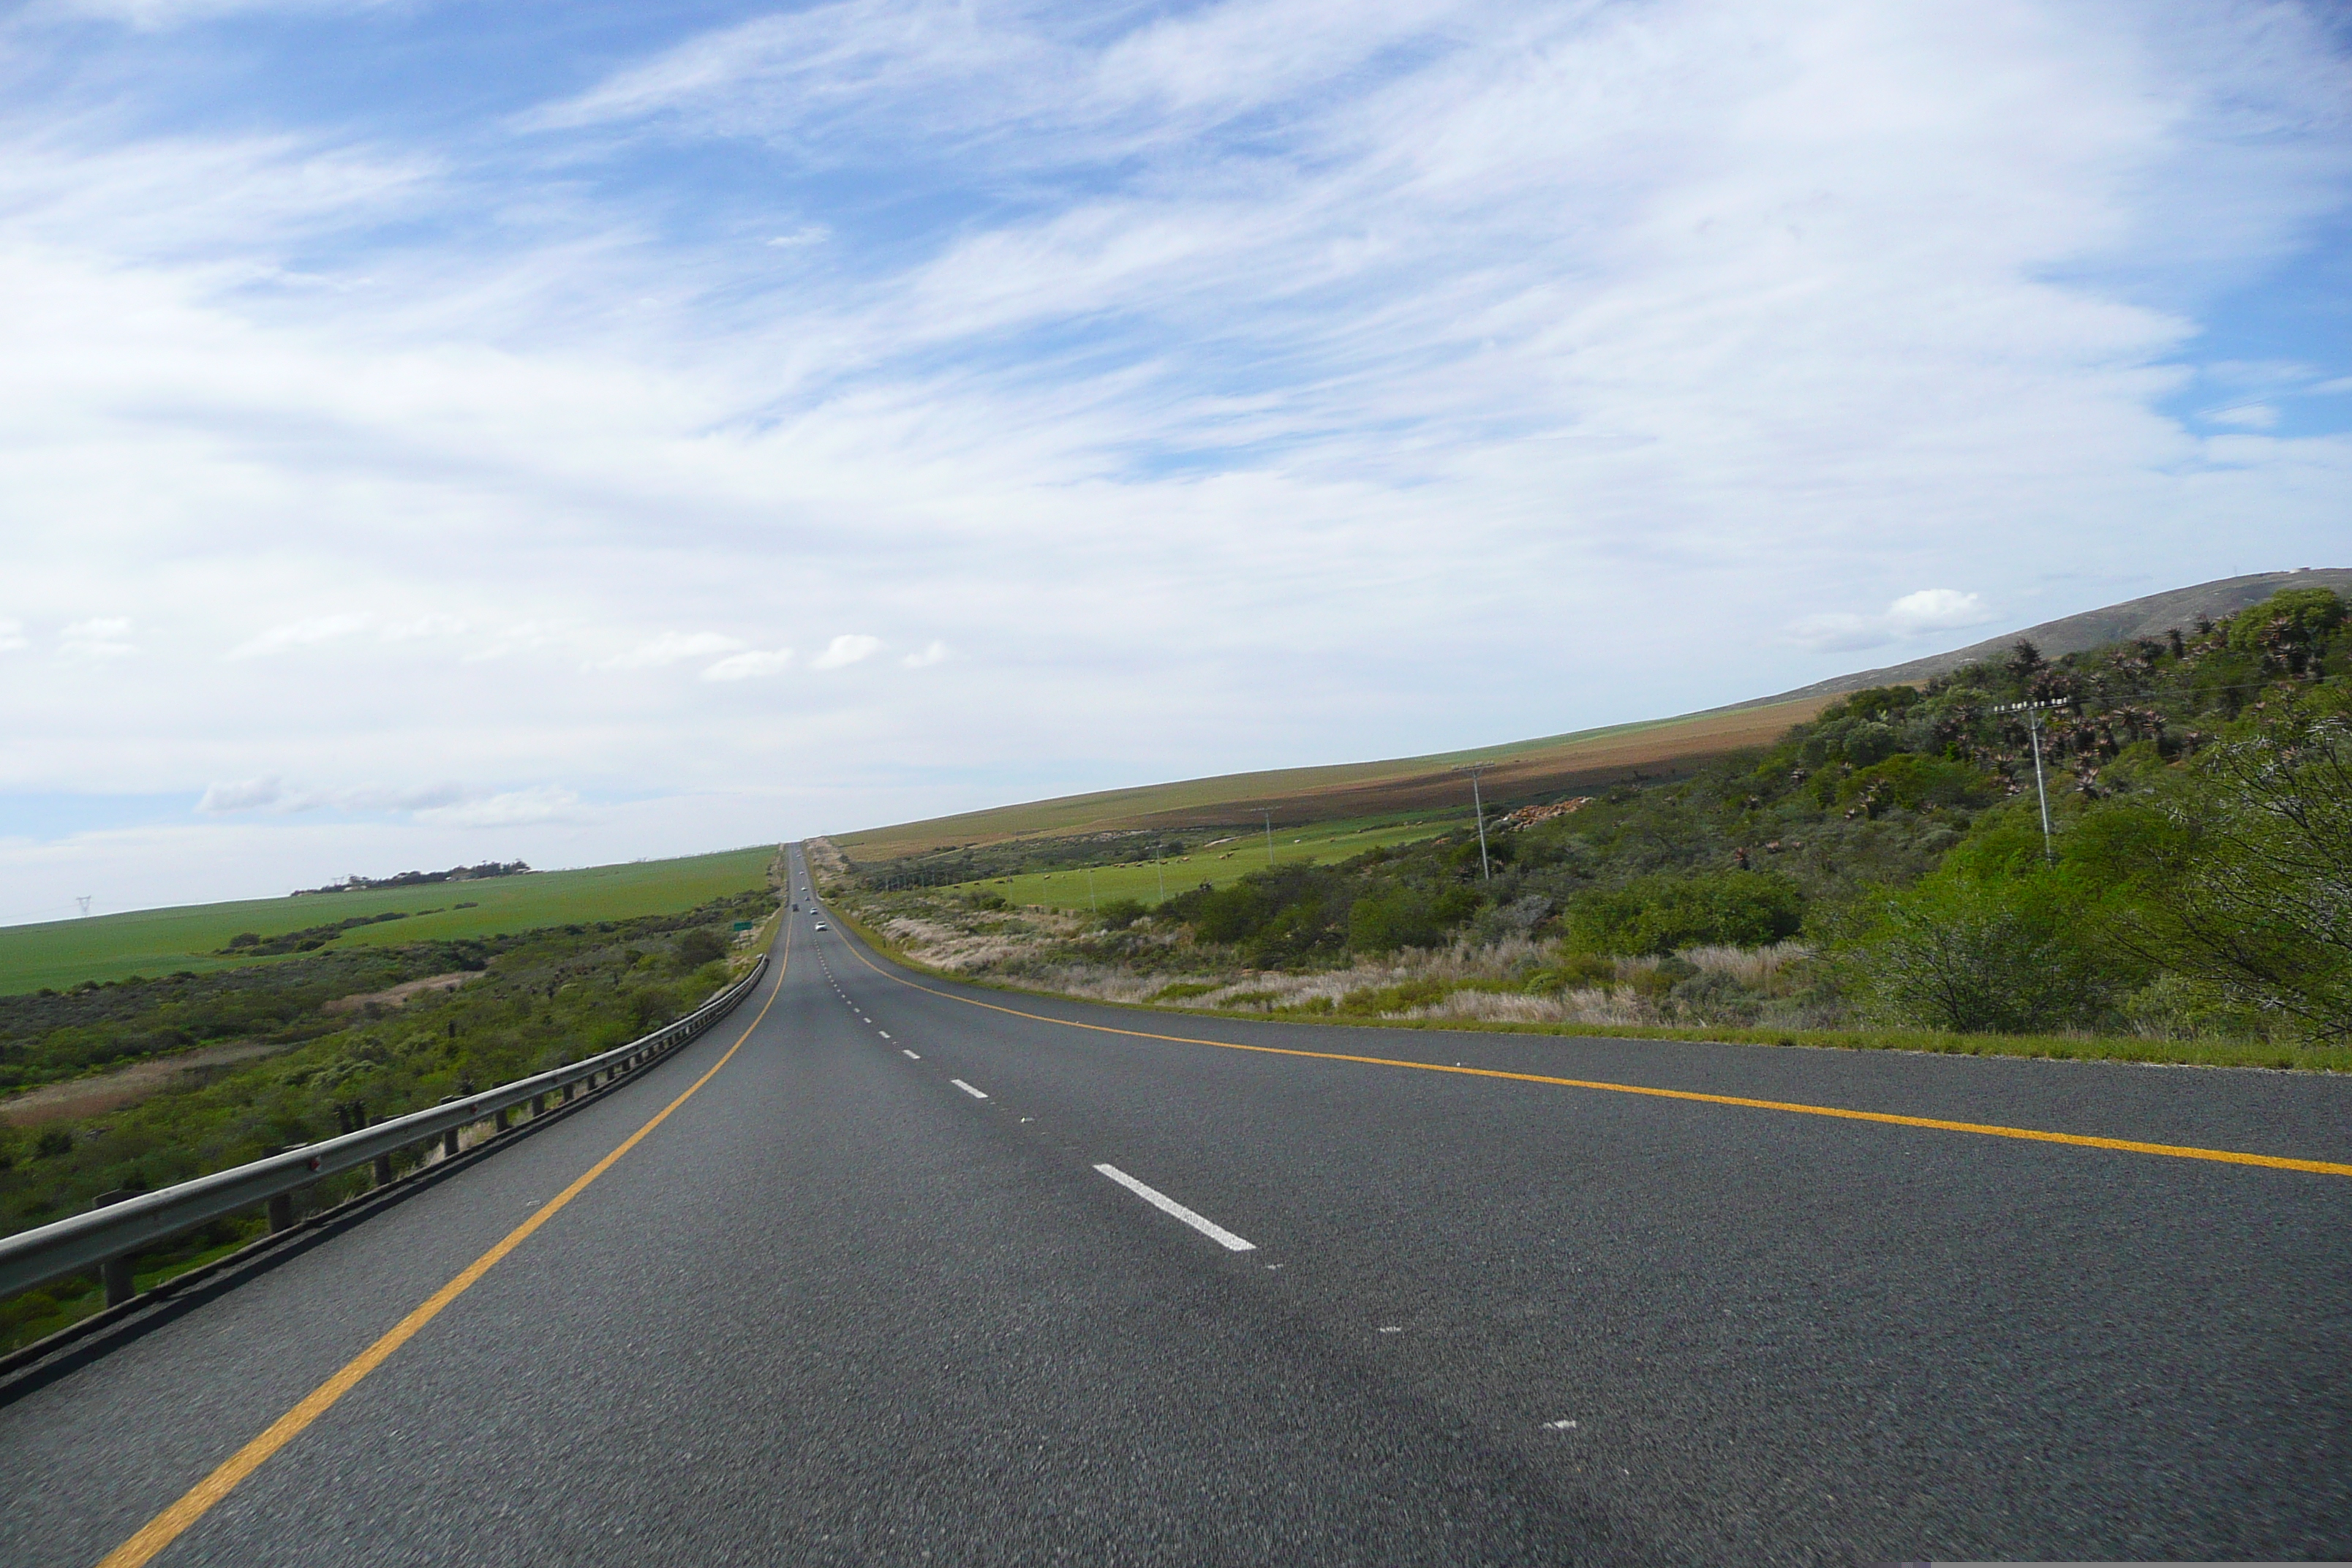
<point>167,1526</point>
<point>1985,1130</point>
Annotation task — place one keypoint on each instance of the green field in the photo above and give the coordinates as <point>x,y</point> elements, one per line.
<point>159,941</point>
<point>1219,864</point>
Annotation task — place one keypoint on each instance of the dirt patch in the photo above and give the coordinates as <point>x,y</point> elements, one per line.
<point>398,995</point>
<point>125,1086</point>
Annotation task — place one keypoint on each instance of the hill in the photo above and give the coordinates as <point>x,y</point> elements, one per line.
<point>2151,616</point>
<point>1580,761</point>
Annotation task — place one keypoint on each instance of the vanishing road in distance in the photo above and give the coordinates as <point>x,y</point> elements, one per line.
<point>930,1273</point>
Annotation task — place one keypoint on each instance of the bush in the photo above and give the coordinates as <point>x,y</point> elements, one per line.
<point>1230,914</point>
<point>1573,971</point>
<point>1718,997</point>
<point>1658,914</point>
<point>700,946</point>
<point>1121,913</point>
<point>1985,955</point>
<point>1391,918</point>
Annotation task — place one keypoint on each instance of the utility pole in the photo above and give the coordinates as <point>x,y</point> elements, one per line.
<point>1269,836</point>
<point>1479,805</point>
<point>1090,890</point>
<point>2032,711</point>
<point>1160,864</point>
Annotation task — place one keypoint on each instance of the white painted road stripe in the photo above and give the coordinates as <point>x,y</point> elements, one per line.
<point>967,1089</point>
<point>1166,1204</point>
<point>908,1054</point>
<point>884,1033</point>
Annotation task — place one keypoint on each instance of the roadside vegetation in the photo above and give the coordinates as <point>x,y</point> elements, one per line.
<point>1879,875</point>
<point>529,1002</point>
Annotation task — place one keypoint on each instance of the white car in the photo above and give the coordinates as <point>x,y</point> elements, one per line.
<point>820,925</point>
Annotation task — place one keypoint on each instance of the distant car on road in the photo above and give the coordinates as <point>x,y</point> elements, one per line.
<point>820,925</point>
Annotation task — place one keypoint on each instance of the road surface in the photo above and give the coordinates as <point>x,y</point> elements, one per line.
<point>926,1273</point>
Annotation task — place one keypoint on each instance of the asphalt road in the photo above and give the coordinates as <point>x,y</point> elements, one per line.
<point>869,1296</point>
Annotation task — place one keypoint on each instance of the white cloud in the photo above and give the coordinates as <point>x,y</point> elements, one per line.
<point>514,808</point>
<point>2245,415</point>
<point>307,633</point>
<point>249,795</point>
<point>671,648</point>
<point>1916,615</point>
<point>807,234</point>
<point>270,794</point>
<point>105,637</point>
<point>419,628</point>
<point>1936,610</point>
<point>12,635</point>
<point>744,666</point>
<point>930,654</point>
<point>846,650</point>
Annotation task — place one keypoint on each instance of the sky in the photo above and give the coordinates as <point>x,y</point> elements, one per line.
<point>582,432</point>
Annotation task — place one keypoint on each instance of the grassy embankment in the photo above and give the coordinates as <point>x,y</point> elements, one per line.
<point>2053,1047</point>
<point>163,941</point>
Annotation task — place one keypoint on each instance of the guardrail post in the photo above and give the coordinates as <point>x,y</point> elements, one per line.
<point>383,1170</point>
<point>502,1116</point>
<point>538,1106</point>
<point>114,1273</point>
<point>282,1213</point>
<point>449,1145</point>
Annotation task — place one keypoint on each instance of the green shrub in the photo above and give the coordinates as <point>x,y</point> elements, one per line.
<point>1391,918</point>
<point>1986,954</point>
<point>1121,913</point>
<point>1658,914</point>
<point>700,946</point>
<point>1573,971</point>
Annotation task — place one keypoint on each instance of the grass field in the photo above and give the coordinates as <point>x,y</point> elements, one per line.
<point>159,941</point>
<point>1218,864</point>
<point>1520,770</point>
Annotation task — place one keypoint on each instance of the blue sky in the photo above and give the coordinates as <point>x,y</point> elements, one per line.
<point>578,432</point>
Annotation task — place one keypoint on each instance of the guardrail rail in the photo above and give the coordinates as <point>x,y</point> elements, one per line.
<point>109,1238</point>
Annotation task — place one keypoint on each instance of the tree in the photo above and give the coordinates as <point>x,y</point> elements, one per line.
<point>2240,874</point>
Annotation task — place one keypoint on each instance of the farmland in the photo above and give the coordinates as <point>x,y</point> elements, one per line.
<point>1350,793</point>
<point>1217,862</point>
<point>161,941</point>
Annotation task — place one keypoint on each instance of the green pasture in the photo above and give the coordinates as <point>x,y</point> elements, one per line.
<point>1215,863</point>
<point>161,942</point>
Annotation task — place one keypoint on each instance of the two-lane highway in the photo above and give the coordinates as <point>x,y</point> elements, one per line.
<point>924,1272</point>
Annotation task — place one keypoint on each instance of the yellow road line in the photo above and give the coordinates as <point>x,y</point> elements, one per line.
<point>1985,1130</point>
<point>167,1526</point>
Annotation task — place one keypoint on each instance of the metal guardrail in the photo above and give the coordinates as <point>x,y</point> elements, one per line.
<point>108,1238</point>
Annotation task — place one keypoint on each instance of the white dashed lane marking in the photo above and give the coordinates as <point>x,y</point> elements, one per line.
<point>960,1083</point>
<point>1166,1204</point>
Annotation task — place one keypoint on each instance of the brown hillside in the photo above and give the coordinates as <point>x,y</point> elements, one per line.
<point>1523,771</point>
